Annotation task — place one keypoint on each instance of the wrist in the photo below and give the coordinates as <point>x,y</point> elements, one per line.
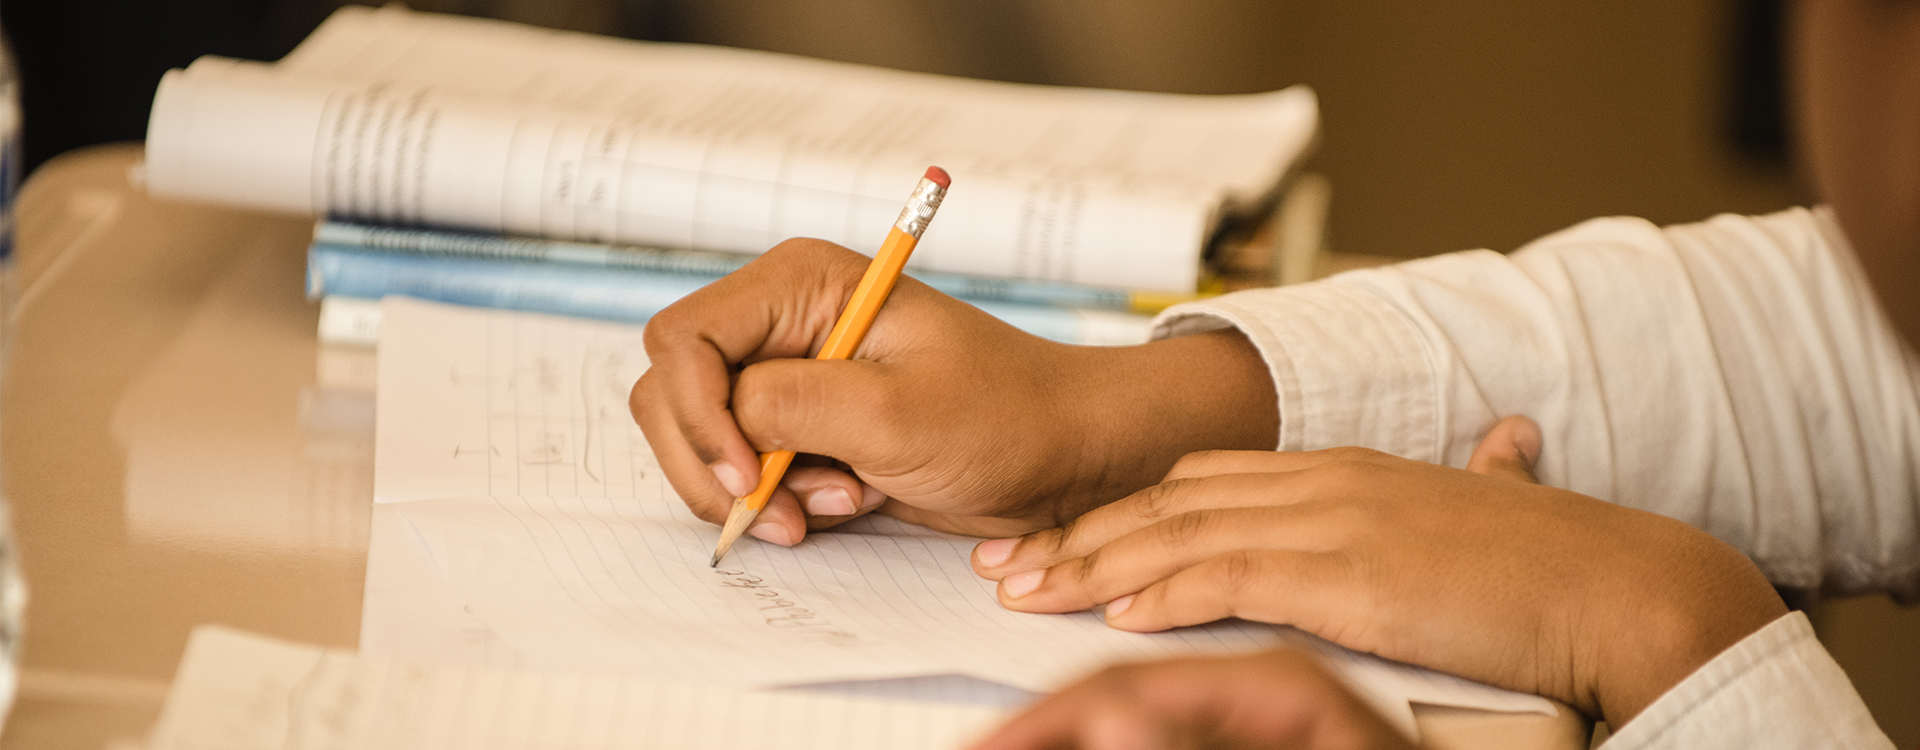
<point>1136,410</point>
<point>1684,610</point>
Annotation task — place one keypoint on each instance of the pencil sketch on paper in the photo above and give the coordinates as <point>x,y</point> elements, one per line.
<point>606,377</point>
<point>528,406</point>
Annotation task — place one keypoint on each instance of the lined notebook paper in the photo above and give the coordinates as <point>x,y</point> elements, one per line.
<point>237,691</point>
<point>522,523</point>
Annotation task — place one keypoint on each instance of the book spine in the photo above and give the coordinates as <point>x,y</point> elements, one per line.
<point>616,295</point>
<point>1016,291</point>
<point>440,243</point>
<point>529,287</point>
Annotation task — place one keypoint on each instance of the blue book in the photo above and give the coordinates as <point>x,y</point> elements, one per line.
<point>617,294</point>
<point>456,244</point>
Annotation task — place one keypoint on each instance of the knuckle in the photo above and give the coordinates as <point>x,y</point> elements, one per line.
<point>1354,468</point>
<point>707,451</point>
<point>1165,499</point>
<point>1154,502</point>
<point>1086,568</point>
<point>1344,523</point>
<point>806,253</point>
<point>1369,576</point>
<point>1354,454</point>
<point>1055,542</point>
<point>1239,572</point>
<point>799,248</point>
<point>792,252</point>
<point>641,401</point>
<point>666,331</point>
<point>1196,462</point>
<point>1184,530</point>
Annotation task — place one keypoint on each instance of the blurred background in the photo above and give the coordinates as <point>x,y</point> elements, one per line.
<point>1447,126</point>
<point>1480,123</point>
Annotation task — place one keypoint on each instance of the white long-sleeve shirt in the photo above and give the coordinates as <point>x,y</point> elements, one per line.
<point>1736,374</point>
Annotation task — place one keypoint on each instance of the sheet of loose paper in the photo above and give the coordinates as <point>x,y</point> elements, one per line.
<point>237,691</point>
<point>511,478</point>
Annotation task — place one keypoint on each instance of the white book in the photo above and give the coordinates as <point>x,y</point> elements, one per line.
<point>394,116</point>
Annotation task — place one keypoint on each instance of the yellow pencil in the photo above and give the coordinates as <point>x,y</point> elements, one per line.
<point>847,333</point>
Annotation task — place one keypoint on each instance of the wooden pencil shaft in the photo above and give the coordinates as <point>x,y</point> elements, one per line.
<point>868,296</point>
<point>773,466</point>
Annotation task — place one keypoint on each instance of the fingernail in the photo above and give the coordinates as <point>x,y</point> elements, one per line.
<point>772,532</point>
<point>1527,440</point>
<point>871,497</point>
<point>731,478</point>
<point>1022,584</point>
<point>831,501</point>
<point>1115,607</point>
<point>994,552</point>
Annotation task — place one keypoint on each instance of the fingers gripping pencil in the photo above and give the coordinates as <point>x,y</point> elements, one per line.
<point>847,333</point>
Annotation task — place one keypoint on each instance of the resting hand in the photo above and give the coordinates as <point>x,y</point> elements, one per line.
<point>1482,573</point>
<point>946,416</point>
<point>1277,699</point>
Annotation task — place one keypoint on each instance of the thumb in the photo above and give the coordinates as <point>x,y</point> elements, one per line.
<point>848,410</point>
<point>1509,450</point>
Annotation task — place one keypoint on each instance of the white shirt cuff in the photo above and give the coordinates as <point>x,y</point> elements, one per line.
<point>1348,367</point>
<point>1778,688</point>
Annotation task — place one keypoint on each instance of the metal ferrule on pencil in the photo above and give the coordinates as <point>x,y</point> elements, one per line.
<point>920,207</point>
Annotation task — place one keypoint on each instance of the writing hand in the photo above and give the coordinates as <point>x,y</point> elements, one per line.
<point>1272,700</point>
<point>946,416</point>
<point>1481,573</point>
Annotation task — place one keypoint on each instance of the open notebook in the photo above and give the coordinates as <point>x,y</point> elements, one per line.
<point>393,116</point>
<point>521,523</point>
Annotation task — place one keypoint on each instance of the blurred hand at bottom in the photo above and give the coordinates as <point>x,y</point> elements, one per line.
<point>1271,700</point>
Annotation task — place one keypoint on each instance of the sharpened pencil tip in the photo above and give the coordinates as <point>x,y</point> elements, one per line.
<point>738,519</point>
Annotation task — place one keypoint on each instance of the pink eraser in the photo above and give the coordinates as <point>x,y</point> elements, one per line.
<point>939,177</point>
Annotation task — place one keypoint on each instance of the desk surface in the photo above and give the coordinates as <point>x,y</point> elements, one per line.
<point>179,450</point>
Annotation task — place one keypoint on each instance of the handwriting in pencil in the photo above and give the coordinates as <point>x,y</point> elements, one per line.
<point>781,611</point>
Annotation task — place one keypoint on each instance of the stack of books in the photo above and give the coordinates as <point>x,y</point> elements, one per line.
<point>488,163</point>
<point>352,266</point>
